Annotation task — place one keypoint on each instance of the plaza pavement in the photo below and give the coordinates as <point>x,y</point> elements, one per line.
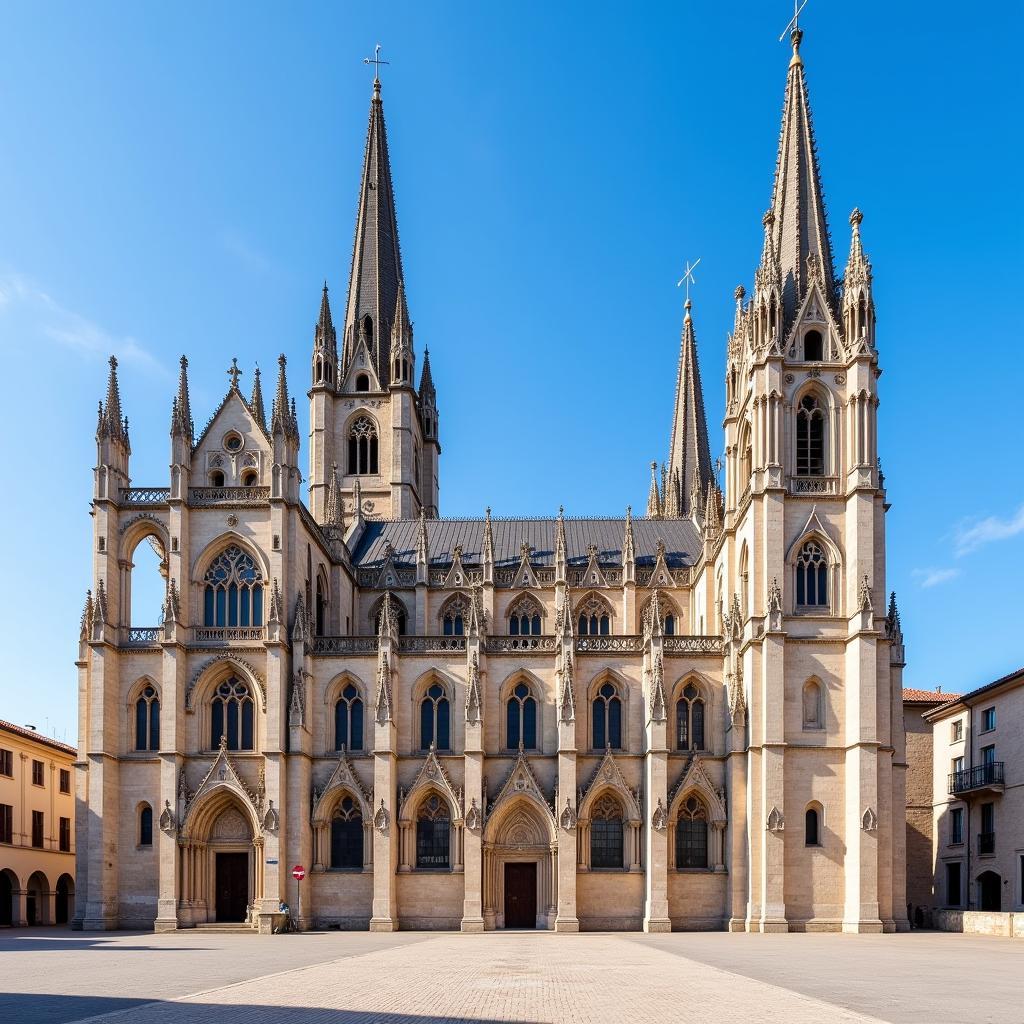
<point>59,977</point>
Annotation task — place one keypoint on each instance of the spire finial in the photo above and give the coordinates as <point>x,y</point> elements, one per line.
<point>234,373</point>
<point>793,27</point>
<point>688,279</point>
<point>376,62</point>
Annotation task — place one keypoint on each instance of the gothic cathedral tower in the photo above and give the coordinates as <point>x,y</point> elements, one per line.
<point>373,437</point>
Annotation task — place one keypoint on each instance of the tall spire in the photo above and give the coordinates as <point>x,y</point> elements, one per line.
<point>689,456</point>
<point>256,402</point>
<point>112,423</point>
<point>799,227</point>
<point>181,410</point>
<point>282,415</point>
<point>376,258</point>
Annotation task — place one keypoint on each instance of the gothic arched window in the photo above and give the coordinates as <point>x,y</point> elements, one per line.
<point>232,715</point>
<point>147,720</point>
<point>433,833</point>
<point>347,835</point>
<point>363,447</point>
<point>454,615</point>
<point>812,576</point>
<point>812,827</point>
<point>521,718</point>
<point>810,437</point>
<point>606,833</point>
<point>812,705</point>
<point>233,595</point>
<point>594,618</point>
<point>217,478</point>
<point>146,825</point>
<point>692,835</point>
<point>348,720</point>
<point>814,347</point>
<point>435,719</point>
<point>607,713</point>
<point>524,617</point>
<point>690,720</point>
<point>362,382</point>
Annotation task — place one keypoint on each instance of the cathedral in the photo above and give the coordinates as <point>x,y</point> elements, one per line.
<point>690,719</point>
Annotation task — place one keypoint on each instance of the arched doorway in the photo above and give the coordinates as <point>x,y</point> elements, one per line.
<point>519,868</point>
<point>64,908</point>
<point>37,894</point>
<point>8,887</point>
<point>990,891</point>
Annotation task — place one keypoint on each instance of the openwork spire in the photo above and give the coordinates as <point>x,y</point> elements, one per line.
<point>689,456</point>
<point>181,410</point>
<point>799,227</point>
<point>256,402</point>
<point>112,423</point>
<point>376,257</point>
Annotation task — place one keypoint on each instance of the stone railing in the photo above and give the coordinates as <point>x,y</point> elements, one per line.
<point>343,645</point>
<point>224,634</point>
<point>431,644</point>
<point>813,485</point>
<point>142,636</point>
<point>519,644</point>
<point>692,645</point>
<point>203,497</point>
<point>599,644</point>
<point>144,495</point>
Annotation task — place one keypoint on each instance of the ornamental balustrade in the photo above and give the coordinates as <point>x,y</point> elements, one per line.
<point>202,497</point>
<point>692,645</point>
<point>598,644</point>
<point>431,644</point>
<point>813,485</point>
<point>224,634</point>
<point>343,645</point>
<point>144,495</point>
<point>519,644</point>
<point>679,577</point>
<point>142,636</point>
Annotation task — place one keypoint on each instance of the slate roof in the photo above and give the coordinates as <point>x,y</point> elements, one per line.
<point>682,541</point>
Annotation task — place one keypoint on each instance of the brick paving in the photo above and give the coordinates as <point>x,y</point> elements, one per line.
<point>442,978</point>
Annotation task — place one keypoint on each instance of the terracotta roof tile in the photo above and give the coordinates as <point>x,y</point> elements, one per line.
<point>31,734</point>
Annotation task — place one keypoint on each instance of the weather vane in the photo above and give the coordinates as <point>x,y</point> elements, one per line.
<point>688,277</point>
<point>794,22</point>
<point>376,61</point>
<point>234,373</point>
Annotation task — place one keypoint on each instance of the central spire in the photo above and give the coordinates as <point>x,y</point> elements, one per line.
<point>376,257</point>
<point>798,224</point>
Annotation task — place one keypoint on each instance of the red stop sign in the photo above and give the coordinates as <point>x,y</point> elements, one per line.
<point>298,872</point>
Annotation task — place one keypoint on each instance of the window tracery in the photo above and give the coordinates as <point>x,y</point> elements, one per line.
<point>594,617</point>
<point>810,437</point>
<point>433,834</point>
<point>231,717</point>
<point>607,718</point>
<point>435,719</point>
<point>233,593</point>
<point>147,720</point>
<point>521,718</point>
<point>363,447</point>
<point>606,833</point>
<point>348,720</point>
<point>347,835</point>
<point>812,576</point>
<point>690,709</point>
<point>692,835</point>
<point>454,615</point>
<point>524,617</point>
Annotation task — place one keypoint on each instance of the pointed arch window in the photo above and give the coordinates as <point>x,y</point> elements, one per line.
<point>363,448</point>
<point>232,715</point>
<point>607,718</point>
<point>347,836</point>
<point>594,618</point>
<point>524,618</point>
<point>146,825</point>
<point>521,718</point>
<point>692,835</point>
<point>435,719</point>
<point>321,606</point>
<point>810,437</point>
<point>147,720</point>
<point>348,720</point>
<point>812,827</point>
<point>814,347</point>
<point>233,593</point>
<point>690,710</point>
<point>812,710</point>
<point>606,828</point>
<point>433,834</point>
<point>454,616</point>
<point>812,576</point>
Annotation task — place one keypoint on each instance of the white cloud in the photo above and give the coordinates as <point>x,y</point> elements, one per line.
<point>38,311</point>
<point>933,577</point>
<point>970,536</point>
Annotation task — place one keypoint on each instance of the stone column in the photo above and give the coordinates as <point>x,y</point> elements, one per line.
<point>773,764</point>
<point>655,823</point>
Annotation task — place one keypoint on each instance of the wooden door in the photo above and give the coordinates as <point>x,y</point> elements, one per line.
<point>520,895</point>
<point>232,886</point>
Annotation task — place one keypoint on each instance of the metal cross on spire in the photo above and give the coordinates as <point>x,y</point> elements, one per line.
<point>234,373</point>
<point>688,278</point>
<point>794,22</point>
<point>376,61</point>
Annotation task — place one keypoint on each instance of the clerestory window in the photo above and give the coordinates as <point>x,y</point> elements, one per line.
<point>233,595</point>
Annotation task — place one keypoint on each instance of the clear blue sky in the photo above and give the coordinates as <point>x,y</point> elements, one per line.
<point>182,178</point>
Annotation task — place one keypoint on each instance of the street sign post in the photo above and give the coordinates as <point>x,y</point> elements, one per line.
<point>298,873</point>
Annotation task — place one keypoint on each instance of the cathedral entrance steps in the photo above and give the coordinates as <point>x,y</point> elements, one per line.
<point>227,928</point>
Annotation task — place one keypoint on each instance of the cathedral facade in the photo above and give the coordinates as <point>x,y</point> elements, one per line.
<point>686,720</point>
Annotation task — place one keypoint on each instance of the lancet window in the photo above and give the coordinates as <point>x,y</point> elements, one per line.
<point>692,835</point>
<point>690,710</point>
<point>810,437</point>
<point>433,834</point>
<point>363,447</point>
<point>233,594</point>
<point>606,833</point>
<point>521,718</point>
<point>524,618</point>
<point>812,576</point>
<point>232,715</point>
<point>147,720</point>
<point>607,715</point>
<point>348,720</point>
<point>435,719</point>
<point>454,616</point>
<point>347,835</point>
<point>594,618</point>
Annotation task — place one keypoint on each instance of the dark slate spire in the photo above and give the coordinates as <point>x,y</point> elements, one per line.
<point>256,402</point>
<point>689,456</point>
<point>376,259</point>
<point>799,227</point>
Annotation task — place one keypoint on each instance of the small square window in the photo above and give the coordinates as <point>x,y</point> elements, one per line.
<point>957,731</point>
<point>988,719</point>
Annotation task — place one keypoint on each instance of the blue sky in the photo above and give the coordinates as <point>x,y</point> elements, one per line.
<point>182,179</point>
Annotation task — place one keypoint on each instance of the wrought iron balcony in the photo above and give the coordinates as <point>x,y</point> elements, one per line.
<point>982,777</point>
<point>986,842</point>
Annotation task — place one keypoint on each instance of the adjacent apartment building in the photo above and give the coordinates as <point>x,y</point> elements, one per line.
<point>37,813</point>
<point>920,801</point>
<point>978,803</point>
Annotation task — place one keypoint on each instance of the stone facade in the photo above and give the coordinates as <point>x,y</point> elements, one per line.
<point>689,720</point>
<point>978,808</point>
<point>37,841</point>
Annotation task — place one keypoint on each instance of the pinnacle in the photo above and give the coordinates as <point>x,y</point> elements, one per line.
<point>256,402</point>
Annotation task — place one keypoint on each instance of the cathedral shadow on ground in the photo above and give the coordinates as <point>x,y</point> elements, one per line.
<point>16,941</point>
<point>58,1009</point>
